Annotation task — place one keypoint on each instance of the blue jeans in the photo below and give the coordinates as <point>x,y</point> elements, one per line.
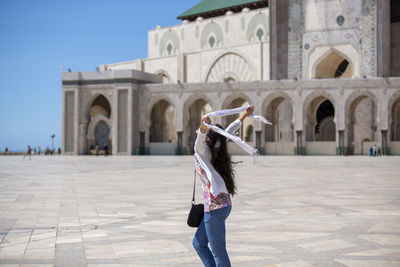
<point>212,230</point>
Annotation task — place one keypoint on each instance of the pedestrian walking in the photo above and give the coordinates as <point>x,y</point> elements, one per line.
<point>379,150</point>
<point>28,152</point>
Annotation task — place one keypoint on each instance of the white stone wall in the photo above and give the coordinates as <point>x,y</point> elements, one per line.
<point>235,36</point>
<point>322,15</point>
<point>229,31</point>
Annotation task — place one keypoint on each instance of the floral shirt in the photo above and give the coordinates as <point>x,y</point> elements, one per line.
<point>220,197</point>
<point>210,202</point>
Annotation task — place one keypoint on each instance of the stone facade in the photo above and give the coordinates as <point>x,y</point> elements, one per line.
<point>320,88</point>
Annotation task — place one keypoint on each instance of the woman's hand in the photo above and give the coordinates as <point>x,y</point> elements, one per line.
<point>203,127</point>
<point>250,110</point>
<point>247,113</point>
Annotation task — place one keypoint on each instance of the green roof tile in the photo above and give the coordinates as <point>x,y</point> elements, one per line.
<point>214,5</point>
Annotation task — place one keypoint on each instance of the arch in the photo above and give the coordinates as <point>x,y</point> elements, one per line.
<point>345,51</point>
<point>358,95</point>
<point>329,66</point>
<point>235,100</point>
<point>258,21</point>
<point>232,96</point>
<point>394,116</point>
<point>153,101</point>
<point>169,37</point>
<point>193,109</point>
<point>165,75</point>
<point>361,119</point>
<point>162,128</point>
<point>194,97</point>
<point>89,104</point>
<point>272,96</point>
<point>230,62</point>
<point>278,107</point>
<point>211,29</point>
<point>312,122</point>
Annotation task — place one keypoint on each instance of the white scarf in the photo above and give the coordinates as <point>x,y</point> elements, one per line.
<point>225,112</point>
<point>215,189</point>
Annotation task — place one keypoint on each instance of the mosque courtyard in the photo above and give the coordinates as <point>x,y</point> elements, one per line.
<point>131,211</point>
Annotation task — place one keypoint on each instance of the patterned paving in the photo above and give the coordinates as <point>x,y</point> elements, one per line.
<point>131,211</point>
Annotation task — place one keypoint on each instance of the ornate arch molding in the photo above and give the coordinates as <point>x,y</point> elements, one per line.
<point>319,53</point>
<point>360,95</point>
<point>92,126</point>
<point>230,61</point>
<point>86,110</point>
<point>312,96</point>
<point>211,29</point>
<point>258,21</point>
<point>153,101</point>
<point>272,97</point>
<point>193,98</point>
<point>169,37</point>
<point>235,95</point>
<point>392,100</point>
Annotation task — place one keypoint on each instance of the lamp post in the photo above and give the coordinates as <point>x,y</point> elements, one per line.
<point>52,141</point>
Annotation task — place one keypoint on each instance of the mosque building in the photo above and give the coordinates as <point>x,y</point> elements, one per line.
<point>324,72</point>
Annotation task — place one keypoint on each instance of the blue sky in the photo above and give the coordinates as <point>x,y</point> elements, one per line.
<point>39,36</point>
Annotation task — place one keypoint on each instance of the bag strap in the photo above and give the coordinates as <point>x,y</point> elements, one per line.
<point>194,186</point>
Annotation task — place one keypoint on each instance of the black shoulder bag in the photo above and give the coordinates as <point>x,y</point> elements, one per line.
<point>196,211</point>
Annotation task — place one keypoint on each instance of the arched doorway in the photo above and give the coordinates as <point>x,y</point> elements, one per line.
<point>196,111</point>
<point>395,125</point>
<point>280,113</point>
<point>162,129</point>
<point>361,122</point>
<point>395,128</point>
<point>279,136</point>
<point>99,137</point>
<point>320,127</point>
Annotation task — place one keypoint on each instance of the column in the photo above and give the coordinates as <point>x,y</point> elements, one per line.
<point>279,19</point>
<point>299,149</point>
<point>258,143</point>
<point>179,144</point>
<point>142,143</point>
<point>340,143</point>
<point>385,149</point>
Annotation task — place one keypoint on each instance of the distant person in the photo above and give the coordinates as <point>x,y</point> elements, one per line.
<point>374,150</point>
<point>379,150</point>
<point>34,151</point>
<point>28,152</point>
<point>6,150</point>
<point>105,147</point>
<point>39,151</point>
<point>371,151</point>
<point>59,151</point>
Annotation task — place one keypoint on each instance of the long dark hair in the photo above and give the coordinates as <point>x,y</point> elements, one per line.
<point>221,159</point>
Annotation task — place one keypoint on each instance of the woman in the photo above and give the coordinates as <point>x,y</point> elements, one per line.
<point>212,148</point>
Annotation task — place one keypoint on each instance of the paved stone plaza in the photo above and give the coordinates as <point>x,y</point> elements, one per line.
<point>131,211</point>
